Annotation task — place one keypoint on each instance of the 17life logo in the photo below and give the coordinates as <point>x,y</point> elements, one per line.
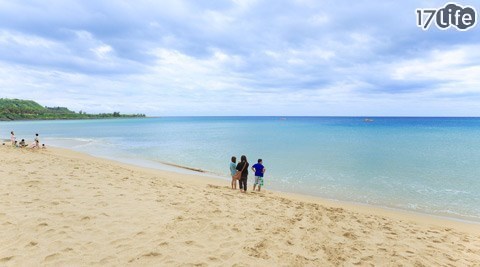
<point>463,18</point>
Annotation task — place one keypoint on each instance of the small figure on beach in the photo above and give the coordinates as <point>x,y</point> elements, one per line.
<point>12,138</point>
<point>233,170</point>
<point>22,143</point>
<point>36,142</point>
<point>242,166</point>
<point>259,170</point>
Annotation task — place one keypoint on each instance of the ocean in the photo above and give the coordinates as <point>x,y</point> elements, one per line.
<point>426,165</point>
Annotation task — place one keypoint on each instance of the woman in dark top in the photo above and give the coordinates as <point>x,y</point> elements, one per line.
<point>243,165</point>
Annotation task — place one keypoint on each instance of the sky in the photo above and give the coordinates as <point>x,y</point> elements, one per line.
<point>234,57</point>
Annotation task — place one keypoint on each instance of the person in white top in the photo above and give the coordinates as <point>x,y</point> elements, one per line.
<point>12,138</point>
<point>36,142</point>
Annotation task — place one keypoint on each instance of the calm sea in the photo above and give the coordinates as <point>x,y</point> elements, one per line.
<point>428,165</point>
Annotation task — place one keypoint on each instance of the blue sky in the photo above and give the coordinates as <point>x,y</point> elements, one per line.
<point>234,57</point>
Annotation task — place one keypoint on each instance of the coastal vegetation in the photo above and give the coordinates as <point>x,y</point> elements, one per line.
<point>17,109</point>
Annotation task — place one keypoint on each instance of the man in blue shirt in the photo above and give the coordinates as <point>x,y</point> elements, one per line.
<point>259,171</point>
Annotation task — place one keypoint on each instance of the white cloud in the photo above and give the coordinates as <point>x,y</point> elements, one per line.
<point>185,73</point>
<point>14,38</point>
<point>102,51</point>
<point>452,70</point>
<point>184,57</point>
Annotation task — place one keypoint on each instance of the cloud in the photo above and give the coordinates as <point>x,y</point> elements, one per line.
<point>203,58</point>
<point>455,71</point>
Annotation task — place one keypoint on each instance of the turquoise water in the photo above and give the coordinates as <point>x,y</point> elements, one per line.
<point>428,165</point>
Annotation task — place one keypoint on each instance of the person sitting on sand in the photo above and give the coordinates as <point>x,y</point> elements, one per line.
<point>233,170</point>
<point>22,143</point>
<point>43,146</point>
<point>12,138</point>
<point>259,170</point>
<point>36,142</point>
<point>15,144</point>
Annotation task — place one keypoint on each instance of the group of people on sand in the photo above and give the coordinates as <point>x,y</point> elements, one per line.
<point>22,143</point>
<point>240,172</point>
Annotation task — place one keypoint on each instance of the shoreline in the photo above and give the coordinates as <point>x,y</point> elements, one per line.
<point>205,174</point>
<point>63,207</point>
<point>181,169</point>
<point>357,206</point>
<point>219,180</point>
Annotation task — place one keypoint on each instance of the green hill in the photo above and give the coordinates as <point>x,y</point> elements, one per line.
<point>17,109</point>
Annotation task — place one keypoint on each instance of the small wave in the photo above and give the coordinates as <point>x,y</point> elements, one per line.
<point>184,167</point>
<point>72,142</point>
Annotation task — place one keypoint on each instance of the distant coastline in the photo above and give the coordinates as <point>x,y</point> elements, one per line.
<point>18,109</point>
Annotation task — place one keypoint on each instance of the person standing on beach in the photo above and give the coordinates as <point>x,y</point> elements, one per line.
<point>243,167</point>
<point>233,170</point>
<point>259,170</point>
<point>12,138</point>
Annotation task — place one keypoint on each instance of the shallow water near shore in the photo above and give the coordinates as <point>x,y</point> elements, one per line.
<point>428,165</point>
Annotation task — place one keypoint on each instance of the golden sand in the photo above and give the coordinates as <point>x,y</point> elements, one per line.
<point>59,207</point>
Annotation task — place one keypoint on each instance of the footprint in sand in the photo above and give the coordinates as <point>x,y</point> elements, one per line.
<point>6,259</point>
<point>32,244</point>
<point>165,243</point>
<point>350,235</point>
<point>51,257</point>
<point>118,241</point>
<point>259,250</point>
<point>214,259</point>
<point>152,254</point>
<point>106,260</point>
<point>147,255</point>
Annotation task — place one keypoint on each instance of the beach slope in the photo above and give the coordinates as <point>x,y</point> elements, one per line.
<point>59,207</point>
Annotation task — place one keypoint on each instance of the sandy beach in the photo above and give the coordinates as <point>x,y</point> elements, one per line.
<point>63,208</point>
